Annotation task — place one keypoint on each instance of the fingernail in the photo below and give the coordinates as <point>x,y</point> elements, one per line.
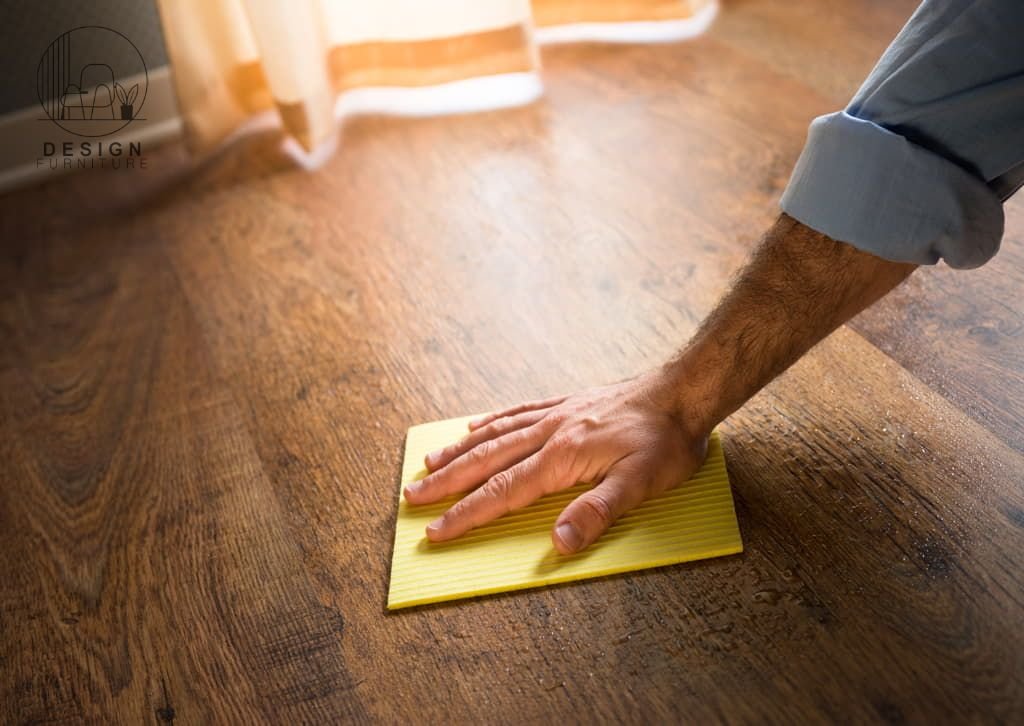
<point>431,458</point>
<point>475,423</point>
<point>569,535</point>
<point>412,487</point>
<point>433,528</point>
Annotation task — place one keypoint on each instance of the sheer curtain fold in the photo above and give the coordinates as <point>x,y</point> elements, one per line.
<point>306,62</point>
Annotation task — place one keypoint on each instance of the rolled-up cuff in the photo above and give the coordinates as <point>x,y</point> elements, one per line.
<point>861,184</point>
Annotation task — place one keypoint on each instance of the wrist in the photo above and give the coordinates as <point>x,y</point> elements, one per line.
<point>685,390</point>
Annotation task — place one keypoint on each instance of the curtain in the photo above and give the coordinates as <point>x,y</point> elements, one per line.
<point>305,64</point>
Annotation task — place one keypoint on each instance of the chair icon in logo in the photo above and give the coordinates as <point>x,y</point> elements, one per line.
<point>92,86</point>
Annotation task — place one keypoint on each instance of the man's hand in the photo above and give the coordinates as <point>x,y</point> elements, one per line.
<point>627,438</point>
<point>638,438</point>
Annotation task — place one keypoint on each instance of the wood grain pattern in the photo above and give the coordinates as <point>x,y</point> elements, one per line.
<point>205,379</point>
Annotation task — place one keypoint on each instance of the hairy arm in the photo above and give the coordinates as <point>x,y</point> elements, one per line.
<point>798,287</point>
<point>637,438</point>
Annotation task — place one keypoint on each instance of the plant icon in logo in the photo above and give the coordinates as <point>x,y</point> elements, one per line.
<point>127,98</point>
<point>92,81</point>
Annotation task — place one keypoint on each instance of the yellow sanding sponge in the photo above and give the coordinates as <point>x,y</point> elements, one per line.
<point>692,521</point>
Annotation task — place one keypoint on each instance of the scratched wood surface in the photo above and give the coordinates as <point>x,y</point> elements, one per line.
<point>205,379</point>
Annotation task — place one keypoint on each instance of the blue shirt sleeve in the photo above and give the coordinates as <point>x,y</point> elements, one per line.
<point>917,166</point>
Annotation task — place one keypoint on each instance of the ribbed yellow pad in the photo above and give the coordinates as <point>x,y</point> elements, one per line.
<point>690,522</point>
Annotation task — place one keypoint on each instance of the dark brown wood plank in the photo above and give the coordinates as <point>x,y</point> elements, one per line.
<point>973,352</point>
<point>147,570</point>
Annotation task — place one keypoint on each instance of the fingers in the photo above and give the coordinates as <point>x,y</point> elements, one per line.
<point>545,471</point>
<point>521,408</point>
<point>436,460</point>
<point>478,464</point>
<point>590,515</point>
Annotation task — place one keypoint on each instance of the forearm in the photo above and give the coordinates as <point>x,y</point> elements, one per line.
<point>797,288</point>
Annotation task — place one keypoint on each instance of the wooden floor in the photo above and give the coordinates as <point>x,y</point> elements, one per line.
<point>205,382</point>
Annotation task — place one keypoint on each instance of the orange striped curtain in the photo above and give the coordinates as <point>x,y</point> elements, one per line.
<point>305,63</point>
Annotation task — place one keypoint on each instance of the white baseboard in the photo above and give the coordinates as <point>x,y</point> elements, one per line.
<point>654,31</point>
<point>24,132</point>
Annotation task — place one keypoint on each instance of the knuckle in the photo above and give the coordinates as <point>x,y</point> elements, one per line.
<point>560,457</point>
<point>516,439</point>
<point>505,413</point>
<point>481,452</point>
<point>455,513</point>
<point>500,486</point>
<point>496,428</point>
<point>557,416</point>
<point>597,507</point>
<point>488,430</point>
<point>563,442</point>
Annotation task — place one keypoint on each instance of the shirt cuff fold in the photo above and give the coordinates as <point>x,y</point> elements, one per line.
<point>861,184</point>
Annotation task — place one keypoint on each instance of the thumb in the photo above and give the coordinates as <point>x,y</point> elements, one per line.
<point>590,514</point>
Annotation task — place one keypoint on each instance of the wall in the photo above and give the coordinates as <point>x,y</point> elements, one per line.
<point>31,25</point>
<point>30,28</point>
